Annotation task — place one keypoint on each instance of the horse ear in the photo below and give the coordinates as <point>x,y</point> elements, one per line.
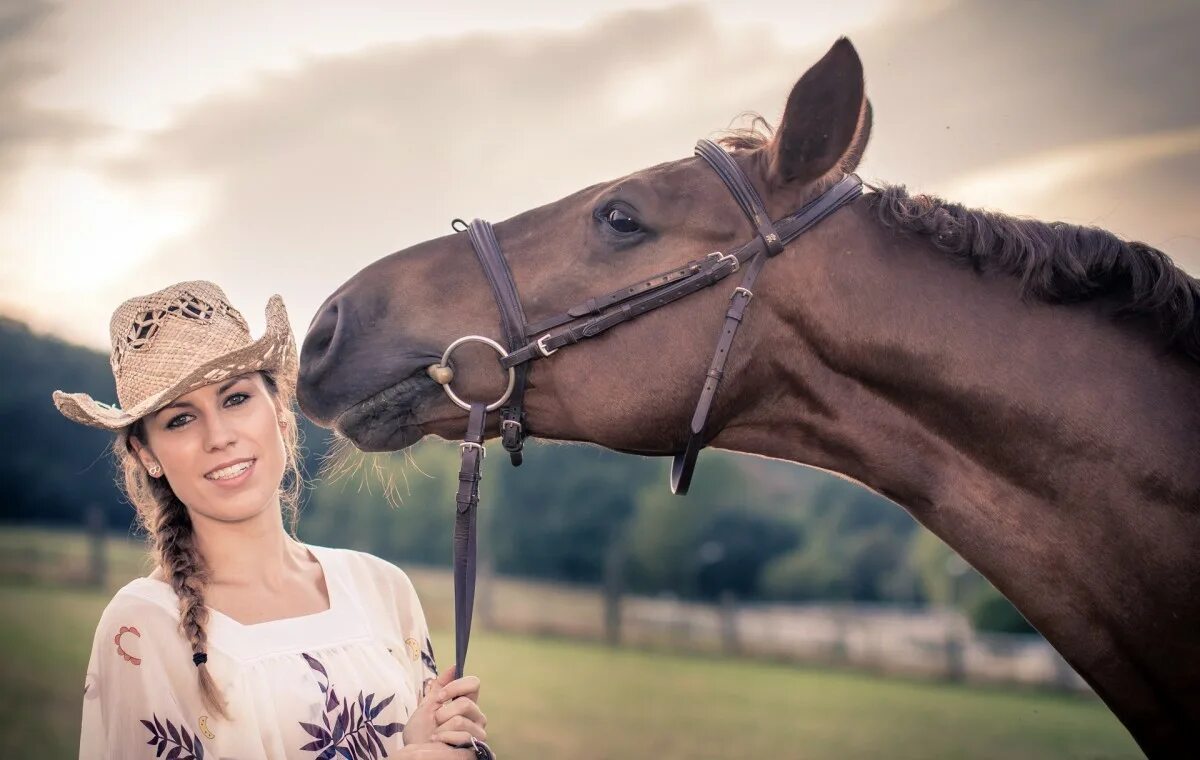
<point>827,120</point>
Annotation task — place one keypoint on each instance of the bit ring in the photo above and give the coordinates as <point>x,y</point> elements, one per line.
<point>512,372</point>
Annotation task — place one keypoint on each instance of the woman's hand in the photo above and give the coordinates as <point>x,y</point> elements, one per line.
<point>434,751</point>
<point>459,718</point>
<point>448,709</point>
<point>421,724</point>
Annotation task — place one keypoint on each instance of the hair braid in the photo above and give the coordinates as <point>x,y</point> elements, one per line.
<point>187,573</point>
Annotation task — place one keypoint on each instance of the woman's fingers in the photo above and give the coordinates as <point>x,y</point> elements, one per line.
<point>467,686</point>
<point>447,675</point>
<point>436,750</point>
<point>459,724</point>
<point>454,738</point>
<point>461,707</point>
<point>434,688</point>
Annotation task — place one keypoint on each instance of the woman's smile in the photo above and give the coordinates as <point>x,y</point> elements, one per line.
<point>232,475</point>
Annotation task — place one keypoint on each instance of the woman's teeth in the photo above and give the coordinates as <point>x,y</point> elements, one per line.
<point>232,471</point>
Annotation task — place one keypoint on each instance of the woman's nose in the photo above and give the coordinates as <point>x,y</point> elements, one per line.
<point>219,433</point>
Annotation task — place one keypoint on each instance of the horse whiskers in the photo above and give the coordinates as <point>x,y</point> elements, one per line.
<point>343,461</point>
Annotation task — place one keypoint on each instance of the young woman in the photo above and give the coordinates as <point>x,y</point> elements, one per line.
<point>245,642</point>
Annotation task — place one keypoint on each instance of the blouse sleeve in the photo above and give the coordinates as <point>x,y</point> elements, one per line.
<point>423,666</point>
<point>424,669</point>
<point>141,694</point>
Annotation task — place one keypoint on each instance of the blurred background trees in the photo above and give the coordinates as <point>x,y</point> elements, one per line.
<point>753,528</point>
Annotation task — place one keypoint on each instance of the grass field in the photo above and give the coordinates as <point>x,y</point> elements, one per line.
<point>561,699</point>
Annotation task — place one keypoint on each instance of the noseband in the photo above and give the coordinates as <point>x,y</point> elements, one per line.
<point>529,341</point>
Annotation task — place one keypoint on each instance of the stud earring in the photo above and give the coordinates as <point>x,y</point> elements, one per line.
<point>154,470</point>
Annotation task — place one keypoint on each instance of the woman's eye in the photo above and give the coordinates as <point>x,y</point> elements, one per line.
<point>175,419</point>
<point>240,396</point>
<point>620,221</point>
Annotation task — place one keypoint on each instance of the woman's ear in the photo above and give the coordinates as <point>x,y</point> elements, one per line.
<point>145,456</point>
<point>826,123</point>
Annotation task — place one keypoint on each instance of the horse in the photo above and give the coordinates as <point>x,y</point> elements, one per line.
<point>1028,391</point>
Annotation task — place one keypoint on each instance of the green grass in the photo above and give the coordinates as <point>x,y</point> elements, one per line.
<point>45,638</point>
<point>555,698</point>
<point>585,701</point>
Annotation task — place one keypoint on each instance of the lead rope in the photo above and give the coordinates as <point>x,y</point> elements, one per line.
<point>467,503</point>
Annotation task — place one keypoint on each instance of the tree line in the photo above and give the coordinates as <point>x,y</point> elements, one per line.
<point>759,529</point>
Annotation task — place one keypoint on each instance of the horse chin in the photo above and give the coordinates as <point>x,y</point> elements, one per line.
<point>383,437</point>
<point>387,420</point>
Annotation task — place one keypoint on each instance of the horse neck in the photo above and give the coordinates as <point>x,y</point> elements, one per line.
<point>1052,448</point>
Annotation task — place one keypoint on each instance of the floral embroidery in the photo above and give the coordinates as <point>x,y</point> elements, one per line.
<point>117,640</point>
<point>427,656</point>
<point>429,661</point>
<point>187,747</point>
<point>353,736</point>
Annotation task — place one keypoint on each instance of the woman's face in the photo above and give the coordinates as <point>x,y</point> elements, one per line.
<point>220,447</point>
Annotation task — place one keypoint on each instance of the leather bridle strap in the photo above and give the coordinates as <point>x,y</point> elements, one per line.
<point>598,315</point>
<point>467,503</point>
<point>512,321</point>
<point>743,192</point>
<point>684,464</point>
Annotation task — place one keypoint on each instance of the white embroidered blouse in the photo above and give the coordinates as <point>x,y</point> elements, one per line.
<point>334,684</point>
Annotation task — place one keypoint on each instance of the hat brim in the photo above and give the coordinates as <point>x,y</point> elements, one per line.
<point>275,351</point>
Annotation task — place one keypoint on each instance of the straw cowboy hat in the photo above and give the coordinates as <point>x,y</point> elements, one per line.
<point>175,340</point>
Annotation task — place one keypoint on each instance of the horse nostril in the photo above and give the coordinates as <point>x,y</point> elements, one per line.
<point>319,339</point>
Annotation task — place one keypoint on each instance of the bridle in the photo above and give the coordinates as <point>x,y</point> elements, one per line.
<point>527,342</point>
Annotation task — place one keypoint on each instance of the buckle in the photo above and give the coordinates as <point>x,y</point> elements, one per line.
<point>749,294</point>
<point>510,423</point>
<point>472,445</point>
<point>541,344</point>
<point>723,256</point>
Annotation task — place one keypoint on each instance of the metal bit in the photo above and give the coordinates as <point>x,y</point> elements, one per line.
<point>442,374</point>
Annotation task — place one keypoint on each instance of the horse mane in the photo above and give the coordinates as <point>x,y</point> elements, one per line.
<point>1056,262</point>
<point>757,134</point>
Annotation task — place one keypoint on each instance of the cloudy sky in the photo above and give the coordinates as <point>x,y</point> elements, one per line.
<point>278,147</point>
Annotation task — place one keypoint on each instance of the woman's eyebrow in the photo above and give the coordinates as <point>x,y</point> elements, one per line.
<point>232,383</point>
<point>181,404</point>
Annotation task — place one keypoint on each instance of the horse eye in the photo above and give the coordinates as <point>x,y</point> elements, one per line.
<point>620,221</point>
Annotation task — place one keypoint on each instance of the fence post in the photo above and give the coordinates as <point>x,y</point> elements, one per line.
<point>958,633</point>
<point>840,648</point>
<point>614,586</point>
<point>729,623</point>
<point>959,629</point>
<point>97,547</point>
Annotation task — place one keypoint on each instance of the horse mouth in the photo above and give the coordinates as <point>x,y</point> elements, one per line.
<point>386,421</point>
